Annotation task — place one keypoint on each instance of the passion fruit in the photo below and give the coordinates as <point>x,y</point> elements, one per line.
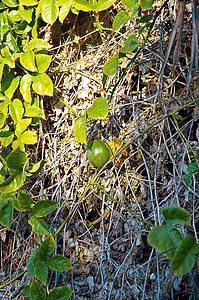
<point>98,153</point>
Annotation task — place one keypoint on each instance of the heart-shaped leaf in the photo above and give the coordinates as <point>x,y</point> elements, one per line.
<point>99,110</point>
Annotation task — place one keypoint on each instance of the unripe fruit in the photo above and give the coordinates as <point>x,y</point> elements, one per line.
<point>98,153</point>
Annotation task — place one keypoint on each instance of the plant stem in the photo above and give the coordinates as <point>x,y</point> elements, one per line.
<point>129,210</point>
<point>182,134</point>
<point>7,283</point>
<point>68,106</point>
<point>141,47</point>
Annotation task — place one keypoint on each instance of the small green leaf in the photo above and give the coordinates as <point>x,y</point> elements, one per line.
<point>25,84</point>
<point>12,183</point>
<point>6,214</point>
<point>130,44</point>
<point>36,291</point>
<point>39,226</point>
<point>28,2</point>
<point>41,272</point>
<point>29,137</point>
<point>21,126</point>
<point>192,167</point>
<point>112,65</point>
<point>49,11</point>
<point>95,5</point>
<point>30,264</point>
<point>146,4</point>
<point>36,168</point>
<point>26,14</point>
<point>10,3</point>
<point>6,198</point>
<point>26,291</point>
<point>8,57</point>
<point>47,248</point>
<point>12,88</point>
<point>16,110</point>
<point>42,84</point>
<point>16,159</point>
<point>187,178</point>
<point>18,143</point>
<point>27,60</point>
<point>12,42</point>
<point>3,116</point>
<point>176,215</point>
<point>121,18</point>
<point>64,10</point>
<point>60,293</point>
<point>99,110</point>
<point>44,207</point>
<point>34,111</point>
<point>43,62</point>
<point>185,256</point>
<point>6,136</point>
<point>80,130</point>
<point>24,200</point>
<point>38,44</point>
<point>163,239</point>
<point>59,263</point>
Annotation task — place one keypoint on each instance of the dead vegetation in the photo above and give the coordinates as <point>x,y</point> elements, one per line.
<point>106,245</point>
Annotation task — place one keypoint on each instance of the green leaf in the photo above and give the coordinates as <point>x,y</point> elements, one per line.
<point>131,4</point>
<point>59,263</point>
<point>21,126</point>
<point>3,116</point>
<point>43,62</point>
<point>185,256</point>
<point>24,200</point>
<point>12,88</point>
<point>38,44</point>
<point>26,14</point>
<point>146,4</point>
<point>8,57</point>
<point>39,226</point>
<point>36,291</point>
<point>99,110</point>
<point>30,264</point>
<point>36,168</point>
<point>6,136</point>
<point>112,65</point>
<point>12,183</point>
<point>27,60</point>
<point>94,5</point>
<point>34,111</point>
<point>6,198</point>
<point>121,18</point>
<point>187,178</point>
<point>192,168</point>
<point>16,159</point>
<point>64,10</point>
<point>12,42</point>
<point>6,214</point>
<point>130,44</point>
<point>176,215</point>
<point>26,291</point>
<point>47,248</point>
<point>18,143</point>
<point>60,293</point>
<point>28,2</point>
<point>163,239</point>
<point>16,110</point>
<point>42,84</point>
<point>25,84</point>
<point>10,3</point>
<point>44,207</point>
<point>80,130</point>
<point>29,137</point>
<point>41,272</point>
<point>49,11</point>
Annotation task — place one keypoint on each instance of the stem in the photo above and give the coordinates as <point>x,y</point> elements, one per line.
<point>7,283</point>
<point>182,134</point>
<point>129,210</point>
<point>141,47</point>
<point>68,106</point>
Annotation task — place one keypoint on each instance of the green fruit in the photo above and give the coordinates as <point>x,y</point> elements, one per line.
<point>98,153</point>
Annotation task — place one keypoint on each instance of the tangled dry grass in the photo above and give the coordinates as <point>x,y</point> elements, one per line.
<point>106,245</point>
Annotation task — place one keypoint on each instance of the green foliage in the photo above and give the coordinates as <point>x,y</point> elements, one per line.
<point>163,238</point>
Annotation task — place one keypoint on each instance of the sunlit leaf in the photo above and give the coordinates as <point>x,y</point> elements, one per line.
<point>38,44</point>
<point>59,263</point>
<point>63,12</point>
<point>25,84</point>
<point>29,137</point>
<point>12,88</point>
<point>93,5</point>
<point>39,226</point>
<point>10,3</point>
<point>112,65</point>
<point>12,183</point>
<point>43,62</point>
<point>49,11</point>
<point>27,60</point>
<point>24,200</point>
<point>44,207</point>
<point>146,4</point>
<point>130,44</point>
<point>80,130</point>
<point>16,159</point>
<point>99,110</point>
<point>16,110</point>
<point>42,84</point>
<point>21,126</point>
<point>34,111</point>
